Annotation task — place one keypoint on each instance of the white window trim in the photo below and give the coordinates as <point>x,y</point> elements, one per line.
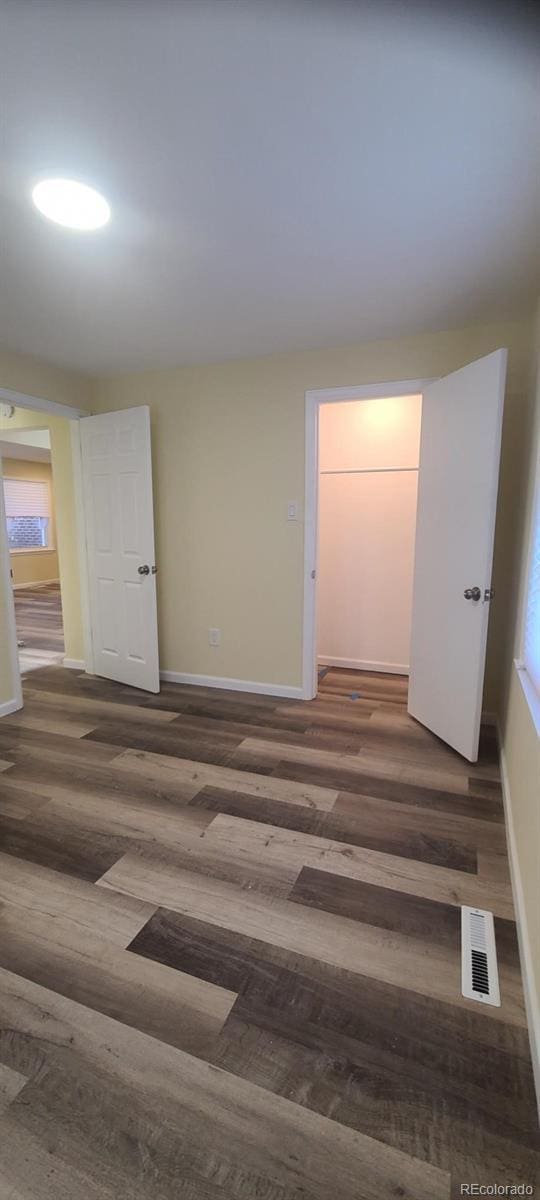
<point>529,688</point>
<point>531,694</point>
<point>32,550</point>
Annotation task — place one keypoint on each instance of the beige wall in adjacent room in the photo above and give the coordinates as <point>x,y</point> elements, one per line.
<point>33,566</point>
<point>520,742</point>
<point>37,378</point>
<point>228,448</point>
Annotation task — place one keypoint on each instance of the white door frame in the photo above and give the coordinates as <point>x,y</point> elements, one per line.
<point>73,415</point>
<point>314,398</point>
<point>5,583</point>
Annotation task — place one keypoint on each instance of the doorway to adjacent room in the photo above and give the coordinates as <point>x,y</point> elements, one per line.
<point>30,515</point>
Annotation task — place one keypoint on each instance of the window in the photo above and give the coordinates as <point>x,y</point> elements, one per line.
<point>530,664</point>
<point>28,514</point>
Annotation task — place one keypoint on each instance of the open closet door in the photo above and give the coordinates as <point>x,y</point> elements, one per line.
<point>457,499</point>
<point>117,483</point>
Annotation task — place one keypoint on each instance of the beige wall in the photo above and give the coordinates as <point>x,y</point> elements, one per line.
<point>228,455</point>
<point>34,377</point>
<point>40,379</point>
<point>228,447</point>
<point>29,566</point>
<point>519,740</point>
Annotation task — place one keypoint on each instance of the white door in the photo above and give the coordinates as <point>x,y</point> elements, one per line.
<point>457,498</point>
<point>117,482</point>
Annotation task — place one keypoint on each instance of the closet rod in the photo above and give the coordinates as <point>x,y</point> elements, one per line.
<point>368,470</point>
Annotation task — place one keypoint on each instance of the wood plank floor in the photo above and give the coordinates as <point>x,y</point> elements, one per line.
<point>229,950</point>
<point>38,616</point>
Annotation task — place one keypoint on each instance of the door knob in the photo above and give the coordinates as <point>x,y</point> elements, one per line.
<point>144,570</point>
<point>469,593</point>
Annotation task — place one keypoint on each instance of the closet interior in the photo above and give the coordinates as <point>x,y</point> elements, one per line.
<point>368,480</point>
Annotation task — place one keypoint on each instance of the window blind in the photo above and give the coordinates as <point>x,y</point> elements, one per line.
<point>26,498</point>
<point>531,640</point>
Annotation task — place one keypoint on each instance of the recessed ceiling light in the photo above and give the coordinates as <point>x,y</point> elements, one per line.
<point>71,203</point>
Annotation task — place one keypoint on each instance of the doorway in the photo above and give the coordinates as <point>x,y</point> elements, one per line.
<point>47,610</point>
<point>362,466</point>
<point>454,523</point>
<point>368,485</point>
<point>31,528</point>
<point>104,515</point>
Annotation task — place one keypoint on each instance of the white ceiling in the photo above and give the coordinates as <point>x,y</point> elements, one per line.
<point>282,175</point>
<point>30,444</point>
<point>39,438</point>
<point>27,453</point>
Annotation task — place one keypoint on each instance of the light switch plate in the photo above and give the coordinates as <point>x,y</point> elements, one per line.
<point>292,511</point>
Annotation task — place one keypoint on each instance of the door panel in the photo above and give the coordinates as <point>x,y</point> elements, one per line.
<point>457,498</point>
<point>117,481</point>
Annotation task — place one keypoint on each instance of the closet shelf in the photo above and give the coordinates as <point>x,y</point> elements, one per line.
<point>368,471</point>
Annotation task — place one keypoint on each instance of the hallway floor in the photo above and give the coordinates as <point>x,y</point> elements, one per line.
<point>38,616</point>
<point>230,950</point>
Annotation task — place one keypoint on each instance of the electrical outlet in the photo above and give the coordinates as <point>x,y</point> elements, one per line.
<point>214,637</point>
<point>292,511</point>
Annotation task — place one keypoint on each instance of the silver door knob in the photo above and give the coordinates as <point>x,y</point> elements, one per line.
<point>144,570</point>
<point>469,593</point>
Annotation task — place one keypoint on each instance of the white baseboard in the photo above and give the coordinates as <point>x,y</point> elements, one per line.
<point>74,664</point>
<point>10,706</point>
<point>234,685</point>
<point>532,1001</point>
<point>39,583</point>
<point>358,664</point>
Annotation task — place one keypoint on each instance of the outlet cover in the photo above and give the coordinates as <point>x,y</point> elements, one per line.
<point>214,637</point>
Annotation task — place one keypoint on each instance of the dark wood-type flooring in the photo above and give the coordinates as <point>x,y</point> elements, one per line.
<point>38,616</point>
<point>229,950</point>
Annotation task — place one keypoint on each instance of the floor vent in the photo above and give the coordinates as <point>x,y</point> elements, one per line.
<point>479,974</point>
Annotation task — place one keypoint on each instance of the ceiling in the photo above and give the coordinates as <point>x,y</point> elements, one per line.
<point>26,453</point>
<point>282,175</point>
<point>29,444</point>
